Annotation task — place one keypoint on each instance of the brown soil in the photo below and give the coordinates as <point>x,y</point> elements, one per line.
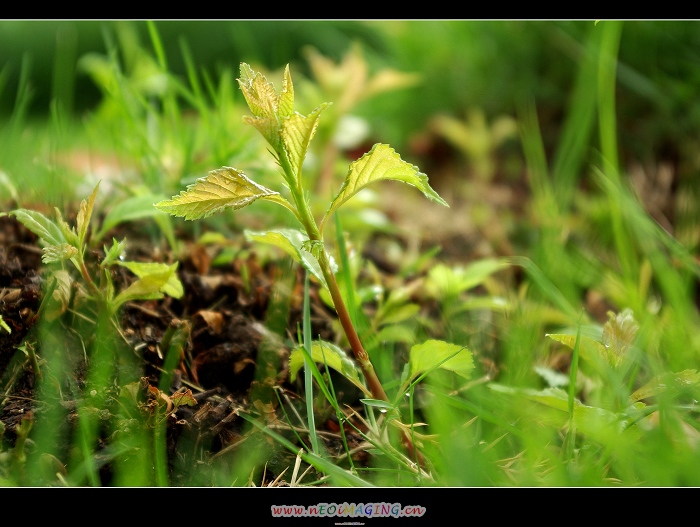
<point>227,365</point>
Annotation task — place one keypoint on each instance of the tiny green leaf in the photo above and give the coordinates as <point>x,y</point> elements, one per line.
<point>329,354</point>
<point>68,232</point>
<point>222,188</point>
<point>398,313</point>
<point>58,253</point>
<point>285,102</point>
<point>297,133</point>
<point>380,163</point>
<point>260,94</point>
<point>676,381</point>
<point>294,243</point>
<point>396,333</point>
<point>446,281</point>
<point>172,287</point>
<point>589,348</point>
<point>84,215</point>
<point>150,287</point>
<point>433,354</point>
<point>315,247</point>
<point>114,253</point>
<point>4,326</point>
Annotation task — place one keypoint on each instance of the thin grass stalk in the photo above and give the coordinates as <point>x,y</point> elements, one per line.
<point>308,376</point>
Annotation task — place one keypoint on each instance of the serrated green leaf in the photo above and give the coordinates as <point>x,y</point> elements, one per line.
<point>220,189</point>
<point>84,215</point>
<point>380,163</point>
<point>172,287</point>
<point>433,354</point>
<point>297,132</point>
<point>130,209</point>
<point>58,253</point>
<point>268,108</point>
<point>44,228</point>
<point>285,102</point>
<point>329,354</point>
<point>259,94</point>
<point>292,242</point>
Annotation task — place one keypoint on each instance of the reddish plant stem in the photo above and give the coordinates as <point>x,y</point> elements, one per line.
<point>362,357</point>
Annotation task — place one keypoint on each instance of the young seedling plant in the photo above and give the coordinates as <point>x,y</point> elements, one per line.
<point>289,135</point>
<point>63,243</point>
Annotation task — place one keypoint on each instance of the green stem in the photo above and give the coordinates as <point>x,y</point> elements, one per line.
<point>312,231</point>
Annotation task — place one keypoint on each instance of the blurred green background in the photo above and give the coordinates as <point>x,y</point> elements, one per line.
<point>491,65</point>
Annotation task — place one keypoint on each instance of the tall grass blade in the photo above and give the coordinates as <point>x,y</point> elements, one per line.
<point>308,375</point>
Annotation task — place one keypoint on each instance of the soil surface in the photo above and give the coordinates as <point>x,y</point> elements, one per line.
<point>219,321</point>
